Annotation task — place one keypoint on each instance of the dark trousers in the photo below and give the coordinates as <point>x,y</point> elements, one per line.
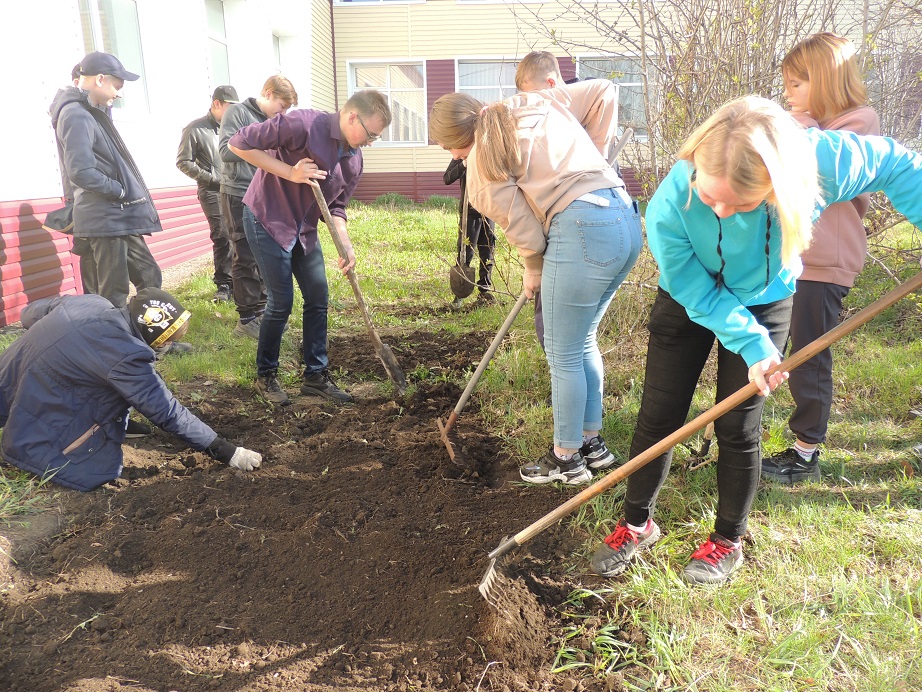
<point>84,251</point>
<point>481,235</point>
<point>279,266</point>
<point>676,355</point>
<point>249,291</point>
<point>221,248</point>
<point>816,310</point>
<point>121,260</point>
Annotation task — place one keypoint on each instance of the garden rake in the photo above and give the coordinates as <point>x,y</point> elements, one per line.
<point>462,402</point>
<point>489,581</point>
<point>382,350</point>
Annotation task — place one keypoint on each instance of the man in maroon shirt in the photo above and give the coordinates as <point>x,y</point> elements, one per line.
<point>280,219</point>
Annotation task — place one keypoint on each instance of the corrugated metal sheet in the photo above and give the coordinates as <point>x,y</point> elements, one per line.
<point>440,80</point>
<point>421,186</point>
<point>417,186</point>
<point>35,263</point>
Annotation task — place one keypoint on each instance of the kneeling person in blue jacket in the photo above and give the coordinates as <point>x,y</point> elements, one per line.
<point>67,384</point>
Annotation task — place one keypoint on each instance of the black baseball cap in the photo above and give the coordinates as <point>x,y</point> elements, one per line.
<point>103,63</point>
<point>157,315</point>
<point>226,94</point>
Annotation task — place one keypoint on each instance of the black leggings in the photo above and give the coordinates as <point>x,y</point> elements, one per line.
<point>676,355</point>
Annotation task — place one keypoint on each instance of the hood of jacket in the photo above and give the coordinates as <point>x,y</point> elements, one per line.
<point>65,96</point>
<point>252,104</point>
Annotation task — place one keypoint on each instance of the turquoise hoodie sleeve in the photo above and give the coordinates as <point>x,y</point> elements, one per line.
<point>851,164</point>
<point>672,233</point>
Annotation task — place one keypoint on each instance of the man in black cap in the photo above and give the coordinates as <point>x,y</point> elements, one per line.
<point>113,208</point>
<point>67,384</point>
<point>199,159</point>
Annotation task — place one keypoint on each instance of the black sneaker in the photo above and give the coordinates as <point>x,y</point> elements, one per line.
<point>789,467</point>
<point>549,468</point>
<point>222,294</point>
<point>596,453</point>
<point>320,384</point>
<point>271,390</point>
<point>714,561</point>
<point>137,429</point>
<point>618,550</point>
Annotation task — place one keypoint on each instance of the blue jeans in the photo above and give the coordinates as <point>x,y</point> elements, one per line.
<point>277,267</point>
<point>590,250</point>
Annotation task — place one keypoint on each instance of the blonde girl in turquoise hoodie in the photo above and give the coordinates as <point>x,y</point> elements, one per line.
<point>727,226</point>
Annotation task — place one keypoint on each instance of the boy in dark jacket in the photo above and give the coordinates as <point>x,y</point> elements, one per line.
<point>479,233</point>
<point>199,159</point>
<point>113,208</point>
<point>67,384</point>
<point>277,96</point>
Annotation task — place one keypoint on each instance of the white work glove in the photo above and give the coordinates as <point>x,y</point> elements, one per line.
<point>245,459</point>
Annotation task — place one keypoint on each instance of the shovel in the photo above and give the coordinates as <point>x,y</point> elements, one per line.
<point>806,353</point>
<point>382,350</point>
<point>462,402</point>
<point>461,277</point>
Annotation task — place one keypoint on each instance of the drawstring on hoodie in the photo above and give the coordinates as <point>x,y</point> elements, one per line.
<point>723,262</point>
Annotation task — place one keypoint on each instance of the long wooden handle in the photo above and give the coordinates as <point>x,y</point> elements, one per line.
<point>350,274</point>
<point>619,145</point>
<point>503,330</point>
<point>693,426</point>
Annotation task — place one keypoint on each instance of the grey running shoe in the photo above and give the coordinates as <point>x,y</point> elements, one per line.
<point>596,453</point>
<point>549,468</point>
<point>619,548</point>
<point>714,561</point>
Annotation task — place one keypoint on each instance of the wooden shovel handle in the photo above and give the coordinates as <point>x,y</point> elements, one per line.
<point>693,426</point>
<point>341,249</point>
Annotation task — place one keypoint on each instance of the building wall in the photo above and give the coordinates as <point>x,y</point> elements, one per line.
<point>439,33</point>
<point>323,85</point>
<point>179,82</point>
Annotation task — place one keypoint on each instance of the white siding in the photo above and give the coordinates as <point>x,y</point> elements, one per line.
<point>322,86</point>
<point>175,52</point>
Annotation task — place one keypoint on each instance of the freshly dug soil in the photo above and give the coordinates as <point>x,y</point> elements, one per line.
<point>349,561</point>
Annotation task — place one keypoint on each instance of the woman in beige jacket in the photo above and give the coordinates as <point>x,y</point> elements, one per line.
<point>537,165</point>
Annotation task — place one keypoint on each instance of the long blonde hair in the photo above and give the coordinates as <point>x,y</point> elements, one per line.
<point>457,121</point>
<point>762,153</point>
<point>827,61</point>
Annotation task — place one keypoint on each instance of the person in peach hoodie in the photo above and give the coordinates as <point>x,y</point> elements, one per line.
<point>824,90</point>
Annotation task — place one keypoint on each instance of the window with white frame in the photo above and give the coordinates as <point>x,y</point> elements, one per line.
<point>487,80</point>
<point>405,87</point>
<point>626,74</point>
<point>217,42</point>
<point>111,26</point>
<point>277,51</point>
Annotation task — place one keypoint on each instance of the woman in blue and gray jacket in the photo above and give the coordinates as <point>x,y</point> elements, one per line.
<point>727,226</point>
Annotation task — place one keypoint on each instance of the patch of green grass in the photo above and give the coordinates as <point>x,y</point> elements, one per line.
<point>830,596</point>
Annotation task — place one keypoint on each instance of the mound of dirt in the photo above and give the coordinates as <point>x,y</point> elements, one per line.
<point>349,561</point>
